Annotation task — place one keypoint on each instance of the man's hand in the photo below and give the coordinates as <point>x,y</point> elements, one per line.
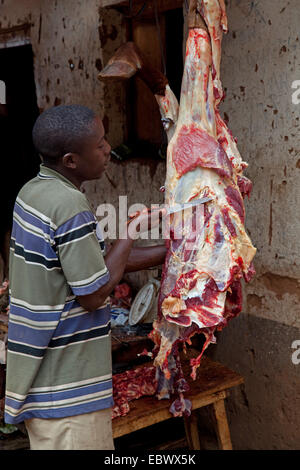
<point>117,257</point>
<point>145,221</point>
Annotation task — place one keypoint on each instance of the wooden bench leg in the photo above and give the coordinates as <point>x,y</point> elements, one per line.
<point>223,432</point>
<point>191,431</point>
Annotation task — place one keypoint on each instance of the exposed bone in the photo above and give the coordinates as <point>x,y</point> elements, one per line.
<point>129,61</point>
<point>201,280</point>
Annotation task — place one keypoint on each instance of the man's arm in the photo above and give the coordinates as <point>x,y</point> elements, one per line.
<point>116,261</point>
<point>145,257</point>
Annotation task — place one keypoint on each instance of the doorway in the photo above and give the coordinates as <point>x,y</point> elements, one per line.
<point>19,160</point>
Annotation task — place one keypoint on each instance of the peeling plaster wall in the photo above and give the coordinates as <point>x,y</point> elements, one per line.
<point>72,40</point>
<point>261,60</point>
<point>68,39</point>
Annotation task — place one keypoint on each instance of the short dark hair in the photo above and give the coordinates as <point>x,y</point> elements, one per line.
<point>62,129</point>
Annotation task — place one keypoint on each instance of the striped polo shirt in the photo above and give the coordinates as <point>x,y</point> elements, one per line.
<point>59,354</point>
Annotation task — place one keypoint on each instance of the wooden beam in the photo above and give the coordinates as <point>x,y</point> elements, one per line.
<point>162,5</point>
<point>223,432</point>
<point>14,29</point>
<point>192,431</point>
<point>148,410</point>
<point>111,3</point>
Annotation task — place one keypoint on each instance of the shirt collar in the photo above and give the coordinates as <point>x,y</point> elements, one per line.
<point>48,173</point>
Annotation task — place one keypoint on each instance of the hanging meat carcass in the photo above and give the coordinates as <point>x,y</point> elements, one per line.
<point>201,281</point>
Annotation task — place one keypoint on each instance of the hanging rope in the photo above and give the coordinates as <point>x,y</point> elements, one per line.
<point>164,139</point>
<point>139,13</point>
<point>160,39</point>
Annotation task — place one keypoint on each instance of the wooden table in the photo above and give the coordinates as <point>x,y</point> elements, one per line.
<point>210,388</point>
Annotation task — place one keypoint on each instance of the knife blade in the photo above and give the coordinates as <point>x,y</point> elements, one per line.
<point>187,205</point>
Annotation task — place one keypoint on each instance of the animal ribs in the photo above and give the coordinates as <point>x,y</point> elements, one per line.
<point>201,281</point>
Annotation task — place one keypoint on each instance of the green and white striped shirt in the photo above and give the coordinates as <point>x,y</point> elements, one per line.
<point>59,355</point>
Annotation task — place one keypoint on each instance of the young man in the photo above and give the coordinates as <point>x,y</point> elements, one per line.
<point>59,377</point>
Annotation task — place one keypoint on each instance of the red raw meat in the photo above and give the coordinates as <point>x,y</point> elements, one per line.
<point>205,262</point>
<point>197,148</point>
<point>130,385</point>
<point>122,295</point>
<point>201,280</point>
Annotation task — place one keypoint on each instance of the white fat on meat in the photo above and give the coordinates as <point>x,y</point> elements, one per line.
<point>200,287</point>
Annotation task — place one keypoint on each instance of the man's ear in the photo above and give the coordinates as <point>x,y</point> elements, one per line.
<point>70,160</point>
